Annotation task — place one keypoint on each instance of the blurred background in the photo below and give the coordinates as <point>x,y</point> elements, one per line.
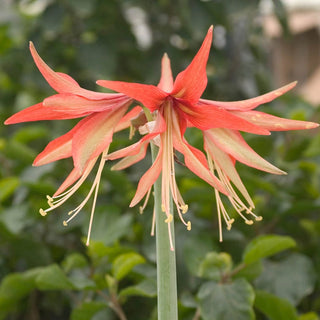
<point>46,271</point>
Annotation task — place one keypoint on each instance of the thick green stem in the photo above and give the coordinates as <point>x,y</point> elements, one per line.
<point>166,259</point>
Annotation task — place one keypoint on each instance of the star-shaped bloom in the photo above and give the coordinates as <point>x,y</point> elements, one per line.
<point>102,113</point>
<point>176,105</point>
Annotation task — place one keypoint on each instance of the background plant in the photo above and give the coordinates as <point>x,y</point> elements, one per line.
<point>266,271</point>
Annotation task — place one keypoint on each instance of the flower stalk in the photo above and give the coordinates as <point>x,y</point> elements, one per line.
<point>166,258</point>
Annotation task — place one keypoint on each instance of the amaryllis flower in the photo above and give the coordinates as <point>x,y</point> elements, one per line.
<point>103,115</point>
<point>176,105</point>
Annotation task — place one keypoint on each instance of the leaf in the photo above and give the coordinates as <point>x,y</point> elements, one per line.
<point>193,258</point>
<point>109,226</point>
<point>291,278</point>
<point>273,307</point>
<point>87,310</point>
<point>14,218</point>
<point>124,263</point>
<point>226,300</point>
<point>81,281</point>
<point>13,288</point>
<point>7,186</point>
<point>250,271</point>
<point>215,265</point>
<point>309,316</point>
<point>265,246</point>
<point>73,261</point>
<point>146,288</point>
<point>53,278</point>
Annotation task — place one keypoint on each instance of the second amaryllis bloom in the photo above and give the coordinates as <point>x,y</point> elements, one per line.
<point>176,105</point>
<point>102,114</point>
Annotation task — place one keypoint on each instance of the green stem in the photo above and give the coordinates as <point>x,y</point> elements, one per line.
<point>166,259</point>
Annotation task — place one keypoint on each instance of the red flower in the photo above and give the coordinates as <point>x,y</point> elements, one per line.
<point>175,105</point>
<point>103,115</point>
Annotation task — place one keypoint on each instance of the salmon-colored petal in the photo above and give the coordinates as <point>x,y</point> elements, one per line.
<point>206,117</point>
<point>274,123</point>
<point>191,82</point>
<point>226,163</point>
<point>132,159</point>
<point>125,122</point>
<point>194,159</point>
<point>149,95</point>
<point>57,149</point>
<point>166,80</point>
<point>148,179</point>
<point>231,142</point>
<point>38,112</point>
<point>94,135</point>
<point>61,82</point>
<point>77,105</point>
<point>249,104</point>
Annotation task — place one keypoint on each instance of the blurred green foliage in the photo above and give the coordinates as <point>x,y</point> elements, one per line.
<point>267,271</point>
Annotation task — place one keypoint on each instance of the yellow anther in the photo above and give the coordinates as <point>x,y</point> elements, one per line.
<point>258,218</point>
<point>229,226</point>
<point>65,223</point>
<point>249,222</point>
<point>231,221</point>
<point>70,213</point>
<point>163,208</point>
<point>169,218</point>
<point>184,208</point>
<point>42,212</point>
<point>189,225</point>
<point>50,201</point>
<point>141,210</point>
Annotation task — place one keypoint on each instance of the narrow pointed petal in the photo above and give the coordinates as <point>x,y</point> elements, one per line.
<point>206,117</point>
<point>38,112</point>
<point>61,82</point>
<point>59,148</point>
<point>149,95</point>
<point>195,159</point>
<point>77,105</point>
<point>132,159</point>
<point>148,179</point>
<point>249,104</point>
<point>191,82</point>
<point>231,142</point>
<point>274,123</point>
<point>94,135</point>
<point>166,80</point>
<point>227,166</point>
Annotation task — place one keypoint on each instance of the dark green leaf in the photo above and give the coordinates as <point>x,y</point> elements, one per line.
<point>215,265</point>
<point>273,307</point>
<point>146,288</point>
<point>226,300</point>
<point>74,260</point>
<point>123,264</point>
<point>266,246</point>
<point>53,278</point>
<point>14,218</point>
<point>7,187</point>
<point>87,310</point>
<point>291,278</point>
